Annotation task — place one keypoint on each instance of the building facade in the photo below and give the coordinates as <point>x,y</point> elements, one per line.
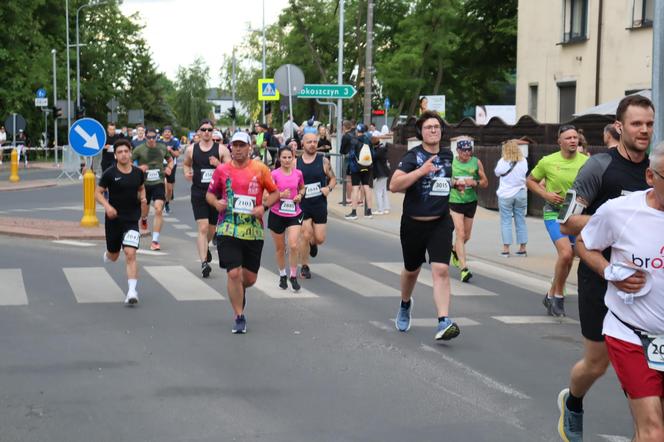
<point>575,54</point>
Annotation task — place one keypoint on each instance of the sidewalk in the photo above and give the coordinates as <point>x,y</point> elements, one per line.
<point>27,182</point>
<point>485,243</point>
<point>48,229</point>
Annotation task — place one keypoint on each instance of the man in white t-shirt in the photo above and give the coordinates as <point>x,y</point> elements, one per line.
<point>634,326</point>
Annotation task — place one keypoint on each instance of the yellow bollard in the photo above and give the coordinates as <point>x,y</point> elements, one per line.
<point>89,205</point>
<point>13,177</point>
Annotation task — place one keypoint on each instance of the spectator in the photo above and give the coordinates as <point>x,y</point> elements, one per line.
<point>381,172</point>
<point>290,129</point>
<point>360,174</point>
<point>308,127</point>
<point>511,170</point>
<point>3,140</point>
<point>324,143</point>
<point>611,136</point>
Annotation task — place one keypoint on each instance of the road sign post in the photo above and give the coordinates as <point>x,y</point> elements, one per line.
<point>289,79</point>
<point>267,90</point>
<point>331,91</point>
<point>87,137</point>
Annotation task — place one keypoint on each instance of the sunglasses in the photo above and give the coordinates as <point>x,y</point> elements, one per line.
<point>565,128</point>
<point>151,137</point>
<point>206,129</point>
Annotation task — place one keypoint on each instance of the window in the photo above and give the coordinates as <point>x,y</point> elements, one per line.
<point>217,109</point>
<point>642,13</point>
<point>567,93</point>
<point>532,101</point>
<point>575,20</point>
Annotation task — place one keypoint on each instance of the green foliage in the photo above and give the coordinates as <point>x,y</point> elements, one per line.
<point>191,104</point>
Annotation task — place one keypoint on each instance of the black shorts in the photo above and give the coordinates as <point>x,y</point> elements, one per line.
<point>154,192</point>
<point>234,253</point>
<point>467,209</point>
<point>362,177</point>
<point>421,237</point>
<point>203,210</point>
<point>317,213</point>
<point>592,309</point>
<point>278,224</point>
<point>171,178</point>
<point>115,233</point>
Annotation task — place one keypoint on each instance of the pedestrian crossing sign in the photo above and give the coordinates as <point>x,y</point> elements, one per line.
<point>267,90</point>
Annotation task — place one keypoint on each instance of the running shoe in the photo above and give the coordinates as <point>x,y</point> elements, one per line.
<point>465,275</point>
<point>521,254</point>
<point>106,259</point>
<point>295,286</point>
<point>155,245</point>
<point>547,302</point>
<point>455,259</point>
<point>205,269</point>
<point>367,213</point>
<point>378,212</point>
<point>402,321</point>
<point>505,254</point>
<point>240,326</point>
<point>208,258</point>
<point>447,330</point>
<point>167,208</point>
<point>558,307</point>
<point>352,215</point>
<point>283,282</point>
<point>570,423</point>
<point>144,224</point>
<point>305,272</point>
<point>313,250</point>
<point>132,298</point>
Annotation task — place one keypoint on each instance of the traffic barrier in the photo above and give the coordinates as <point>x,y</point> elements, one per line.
<point>89,205</point>
<point>13,177</point>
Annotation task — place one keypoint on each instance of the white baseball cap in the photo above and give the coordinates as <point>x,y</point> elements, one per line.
<point>241,136</point>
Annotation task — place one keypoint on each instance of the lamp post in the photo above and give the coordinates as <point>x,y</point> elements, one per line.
<point>55,100</point>
<point>264,120</point>
<point>78,52</point>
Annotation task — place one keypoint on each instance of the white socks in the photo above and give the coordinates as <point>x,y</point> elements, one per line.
<point>132,284</point>
<point>155,236</point>
<point>282,272</point>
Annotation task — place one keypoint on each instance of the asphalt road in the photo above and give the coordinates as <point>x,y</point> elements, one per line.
<point>330,367</point>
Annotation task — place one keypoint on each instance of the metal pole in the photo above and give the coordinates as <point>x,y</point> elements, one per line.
<point>340,70</point>
<point>78,61</point>
<point>657,70</point>
<point>368,69</point>
<point>68,71</point>
<point>55,117</point>
<point>264,120</point>
<point>290,96</point>
<point>233,87</point>
<point>14,131</point>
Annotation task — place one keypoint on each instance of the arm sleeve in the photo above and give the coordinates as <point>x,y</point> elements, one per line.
<point>300,182</point>
<point>502,167</point>
<point>589,180</point>
<point>539,172</point>
<point>268,182</point>
<point>599,233</point>
<point>104,179</point>
<point>216,183</point>
<point>407,163</point>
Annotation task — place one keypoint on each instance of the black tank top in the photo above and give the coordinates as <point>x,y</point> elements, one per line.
<point>202,168</point>
<point>314,180</point>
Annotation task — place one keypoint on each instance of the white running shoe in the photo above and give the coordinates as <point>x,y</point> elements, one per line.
<point>132,298</point>
<point>106,258</point>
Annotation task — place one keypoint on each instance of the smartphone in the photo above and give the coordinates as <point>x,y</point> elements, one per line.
<point>565,213</point>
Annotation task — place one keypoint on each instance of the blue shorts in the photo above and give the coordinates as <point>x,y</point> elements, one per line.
<point>553,227</point>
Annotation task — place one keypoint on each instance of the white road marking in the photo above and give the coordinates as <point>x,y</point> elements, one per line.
<point>192,234</point>
<point>93,284</point>
<point>267,283</point>
<point>68,242</point>
<point>458,288</point>
<point>614,438</point>
<point>382,326</point>
<point>355,282</point>
<point>534,320</point>
<point>151,252</point>
<point>12,289</point>
<point>518,279</point>
<point>181,226</point>
<point>171,220</point>
<point>183,284</point>
<point>433,322</point>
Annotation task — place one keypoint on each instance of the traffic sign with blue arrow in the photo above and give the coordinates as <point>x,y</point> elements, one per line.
<point>41,93</point>
<point>87,137</point>
<point>387,103</point>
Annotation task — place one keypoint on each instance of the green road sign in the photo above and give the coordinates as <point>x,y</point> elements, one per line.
<point>344,91</point>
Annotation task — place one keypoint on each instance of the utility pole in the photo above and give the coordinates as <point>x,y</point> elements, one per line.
<point>368,70</point>
<point>340,72</point>
<point>657,70</point>
<point>68,68</point>
<point>55,117</point>
<point>233,88</point>
<point>264,120</point>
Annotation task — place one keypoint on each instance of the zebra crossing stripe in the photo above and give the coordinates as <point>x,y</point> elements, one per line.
<point>355,282</point>
<point>267,283</point>
<point>182,284</point>
<point>458,288</point>
<point>170,219</point>
<point>433,322</point>
<point>514,278</point>
<point>12,289</point>
<point>192,234</point>
<point>181,226</point>
<point>93,285</point>
<point>534,320</point>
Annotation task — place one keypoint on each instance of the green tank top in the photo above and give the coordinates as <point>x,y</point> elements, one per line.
<point>468,169</point>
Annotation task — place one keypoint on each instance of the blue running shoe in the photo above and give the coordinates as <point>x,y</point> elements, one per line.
<point>240,326</point>
<point>570,423</point>
<point>402,321</point>
<point>447,330</point>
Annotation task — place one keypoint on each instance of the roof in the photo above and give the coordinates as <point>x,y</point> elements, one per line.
<point>217,94</point>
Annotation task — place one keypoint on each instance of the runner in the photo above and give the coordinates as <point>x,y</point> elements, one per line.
<point>605,176</point>
<point>319,180</point>
<point>468,169</point>
<point>124,184</point>
<point>200,160</point>
<point>631,227</point>
<point>559,169</point>
<point>425,175</point>
<point>173,146</point>
<point>286,216</point>
<point>236,191</point>
<point>107,154</point>
<point>150,157</point>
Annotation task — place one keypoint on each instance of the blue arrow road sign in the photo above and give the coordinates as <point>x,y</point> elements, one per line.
<point>387,103</point>
<point>41,93</point>
<point>87,137</point>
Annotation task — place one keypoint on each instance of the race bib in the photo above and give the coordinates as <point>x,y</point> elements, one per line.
<point>153,175</point>
<point>244,204</point>
<point>312,190</point>
<point>653,348</point>
<point>131,239</point>
<point>440,187</point>
<point>206,175</point>
<point>287,207</point>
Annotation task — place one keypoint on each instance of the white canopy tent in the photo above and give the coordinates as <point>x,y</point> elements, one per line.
<point>609,108</point>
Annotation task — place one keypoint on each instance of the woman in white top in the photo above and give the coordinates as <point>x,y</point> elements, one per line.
<point>512,169</point>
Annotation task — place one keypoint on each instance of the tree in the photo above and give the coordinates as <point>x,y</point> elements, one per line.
<point>191,104</point>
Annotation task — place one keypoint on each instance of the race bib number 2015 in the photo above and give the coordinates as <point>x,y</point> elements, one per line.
<point>440,187</point>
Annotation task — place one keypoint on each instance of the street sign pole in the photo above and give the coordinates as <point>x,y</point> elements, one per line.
<point>264,120</point>
<point>290,95</point>
<point>658,70</point>
<point>14,131</point>
<point>340,70</point>
<point>55,117</point>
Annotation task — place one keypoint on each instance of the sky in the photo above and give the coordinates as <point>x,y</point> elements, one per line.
<point>178,31</point>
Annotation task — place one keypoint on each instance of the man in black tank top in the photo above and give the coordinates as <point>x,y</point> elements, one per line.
<point>319,180</point>
<point>605,176</point>
<point>200,160</point>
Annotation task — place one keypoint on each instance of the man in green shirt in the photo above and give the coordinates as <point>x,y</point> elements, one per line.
<point>559,171</point>
<point>150,157</point>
